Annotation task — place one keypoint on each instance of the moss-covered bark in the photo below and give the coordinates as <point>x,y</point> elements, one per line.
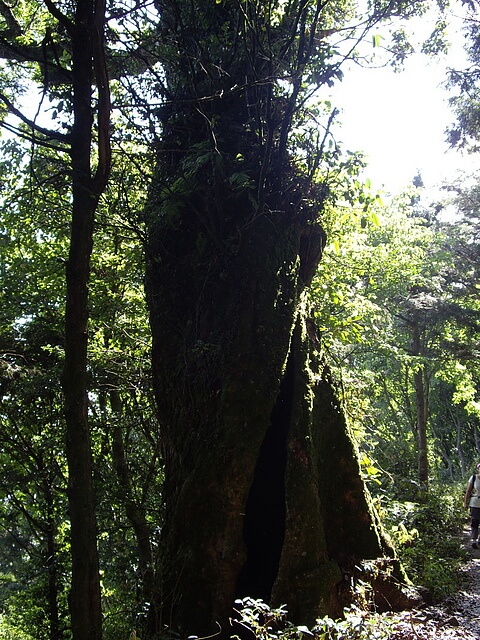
<point>263,490</point>
<point>221,340</point>
<point>263,495</point>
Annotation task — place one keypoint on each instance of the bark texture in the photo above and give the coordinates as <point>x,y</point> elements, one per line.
<point>263,492</point>
<point>263,489</point>
<point>86,33</point>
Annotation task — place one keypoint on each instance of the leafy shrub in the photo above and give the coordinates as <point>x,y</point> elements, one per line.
<point>266,623</point>
<point>427,537</point>
<point>9,632</point>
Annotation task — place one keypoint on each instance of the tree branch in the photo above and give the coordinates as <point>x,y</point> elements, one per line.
<point>14,28</point>
<point>48,133</point>
<point>61,17</point>
<point>104,104</point>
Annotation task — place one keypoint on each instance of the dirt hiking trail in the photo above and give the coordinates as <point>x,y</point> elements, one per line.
<point>457,618</point>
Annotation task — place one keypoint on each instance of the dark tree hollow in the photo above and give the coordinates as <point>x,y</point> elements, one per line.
<point>264,527</point>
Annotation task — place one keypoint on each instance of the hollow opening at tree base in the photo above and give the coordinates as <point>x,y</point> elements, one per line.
<point>264,527</point>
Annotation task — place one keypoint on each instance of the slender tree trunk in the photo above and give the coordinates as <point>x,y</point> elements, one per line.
<point>422,418</point>
<point>85,607</point>
<point>421,403</point>
<point>136,515</point>
<point>53,612</point>
<point>87,54</point>
<point>459,433</point>
<point>476,438</point>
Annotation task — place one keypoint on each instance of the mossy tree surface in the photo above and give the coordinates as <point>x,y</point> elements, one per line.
<point>263,490</point>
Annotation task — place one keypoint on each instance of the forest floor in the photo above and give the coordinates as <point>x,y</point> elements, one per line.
<point>457,618</point>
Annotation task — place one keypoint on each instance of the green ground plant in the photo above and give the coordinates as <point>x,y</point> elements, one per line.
<point>267,623</point>
<point>428,537</point>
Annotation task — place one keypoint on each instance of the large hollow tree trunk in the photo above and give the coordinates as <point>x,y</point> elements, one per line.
<point>263,495</point>
<point>221,338</point>
<point>263,489</point>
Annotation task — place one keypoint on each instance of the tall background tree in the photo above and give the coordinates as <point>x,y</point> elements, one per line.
<point>126,467</point>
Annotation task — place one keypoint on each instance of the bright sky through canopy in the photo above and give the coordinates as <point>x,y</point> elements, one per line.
<point>399,120</point>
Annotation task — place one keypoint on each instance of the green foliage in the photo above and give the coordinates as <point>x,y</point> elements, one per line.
<point>34,236</point>
<point>378,281</point>
<point>465,101</point>
<point>266,623</point>
<point>428,537</point>
<point>357,625</point>
<point>9,631</point>
<point>26,611</point>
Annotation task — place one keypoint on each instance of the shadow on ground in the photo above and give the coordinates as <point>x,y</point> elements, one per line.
<point>457,618</point>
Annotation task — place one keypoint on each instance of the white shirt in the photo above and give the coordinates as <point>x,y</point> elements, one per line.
<point>475,495</point>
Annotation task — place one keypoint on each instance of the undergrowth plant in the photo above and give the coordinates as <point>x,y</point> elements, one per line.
<point>12,632</point>
<point>427,536</point>
<point>266,623</point>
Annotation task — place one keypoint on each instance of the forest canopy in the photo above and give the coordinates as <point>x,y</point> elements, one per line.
<point>218,347</point>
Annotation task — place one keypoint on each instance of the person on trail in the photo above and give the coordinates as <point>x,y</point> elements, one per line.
<point>472,501</point>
